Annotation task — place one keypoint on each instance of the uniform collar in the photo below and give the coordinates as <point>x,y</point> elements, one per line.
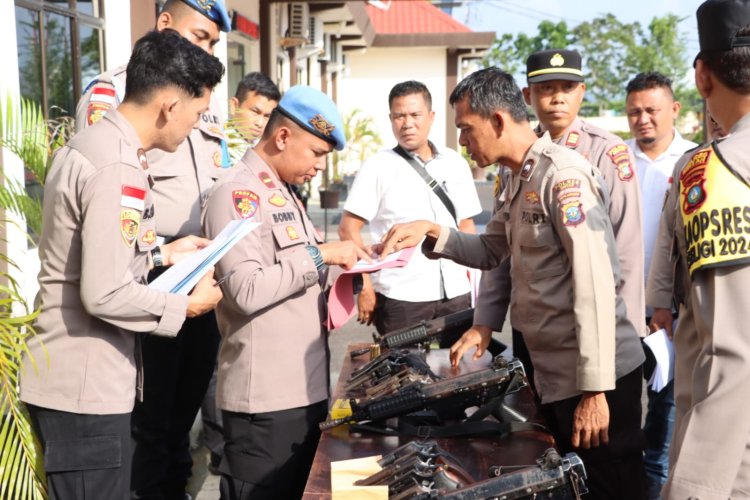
<point>743,122</point>
<point>677,147</point>
<point>571,136</point>
<point>131,149</point>
<point>435,154</point>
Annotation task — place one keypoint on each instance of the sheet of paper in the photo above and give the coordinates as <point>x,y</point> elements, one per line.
<point>182,277</point>
<point>341,304</point>
<point>663,350</point>
<point>396,259</point>
<point>345,472</point>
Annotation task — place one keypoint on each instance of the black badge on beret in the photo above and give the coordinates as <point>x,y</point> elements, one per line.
<point>554,64</point>
<point>718,24</point>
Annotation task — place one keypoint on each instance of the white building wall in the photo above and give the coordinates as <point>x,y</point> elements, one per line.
<point>117,42</point>
<point>372,72</point>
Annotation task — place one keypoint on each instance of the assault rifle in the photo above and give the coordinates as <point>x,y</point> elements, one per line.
<point>553,478</point>
<point>444,397</point>
<point>388,364</point>
<point>423,333</point>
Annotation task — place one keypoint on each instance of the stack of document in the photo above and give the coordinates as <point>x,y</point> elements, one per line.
<point>183,276</point>
<point>661,345</point>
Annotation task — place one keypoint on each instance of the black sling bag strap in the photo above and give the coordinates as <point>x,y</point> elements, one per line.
<point>427,178</point>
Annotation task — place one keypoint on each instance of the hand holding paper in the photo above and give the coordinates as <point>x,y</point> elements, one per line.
<point>183,276</point>
<point>341,298</point>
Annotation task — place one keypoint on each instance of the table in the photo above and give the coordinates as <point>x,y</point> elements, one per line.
<point>476,454</point>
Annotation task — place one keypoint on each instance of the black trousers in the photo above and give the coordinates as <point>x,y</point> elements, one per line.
<point>393,314</point>
<point>268,456</point>
<point>521,352</point>
<point>176,374</point>
<point>211,435</point>
<point>615,471</point>
<point>85,456</point>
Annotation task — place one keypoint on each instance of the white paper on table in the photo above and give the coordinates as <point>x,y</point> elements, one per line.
<point>183,276</point>
<point>663,350</point>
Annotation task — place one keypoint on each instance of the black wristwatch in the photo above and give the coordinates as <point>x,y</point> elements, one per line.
<point>157,257</point>
<point>316,257</point>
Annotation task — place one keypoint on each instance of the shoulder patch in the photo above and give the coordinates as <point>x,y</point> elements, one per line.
<point>129,222</point>
<point>567,184</point>
<point>96,111</point>
<point>245,202</point>
<point>620,156</point>
<point>624,170</point>
<point>572,213</point>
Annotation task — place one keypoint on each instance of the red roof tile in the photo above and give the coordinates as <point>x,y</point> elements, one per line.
<point>412,16</point>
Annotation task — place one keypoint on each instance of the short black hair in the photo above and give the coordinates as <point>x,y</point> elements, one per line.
<point>649,80</point>
<point>489,90</point>
<point>260,84</point>
<point>164,58</point>
<point>731,67</point>
<point>408,88</point>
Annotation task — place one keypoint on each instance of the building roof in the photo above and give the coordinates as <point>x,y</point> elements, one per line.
<point>412,16</point>
<point>414,23</point>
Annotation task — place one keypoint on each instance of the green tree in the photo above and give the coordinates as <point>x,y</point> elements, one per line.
<point>612,52</point>
<point>509,53</point>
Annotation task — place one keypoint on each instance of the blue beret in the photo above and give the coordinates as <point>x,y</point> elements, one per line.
<point>314,111</point>
<point>214,10</point>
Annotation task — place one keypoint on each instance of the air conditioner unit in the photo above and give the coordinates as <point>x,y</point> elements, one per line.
<point>294,20</point>
<point>315,37</point>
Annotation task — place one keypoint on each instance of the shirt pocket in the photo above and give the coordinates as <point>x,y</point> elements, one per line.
<point>147,231</point>
<point>541,254</point>
<point>289,236</point>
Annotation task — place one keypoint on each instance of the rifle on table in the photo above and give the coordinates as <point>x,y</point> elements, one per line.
<point>445,396</point>
<point>392,363</point>
<point>553,478</point>
<point>418,467</point>
<point>423,333</point>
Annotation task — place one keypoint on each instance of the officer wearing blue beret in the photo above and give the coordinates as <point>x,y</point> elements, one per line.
<point>273,368</point>
<point>176,370</point>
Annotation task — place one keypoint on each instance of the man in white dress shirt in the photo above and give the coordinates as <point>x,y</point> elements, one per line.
<point>391,188</point>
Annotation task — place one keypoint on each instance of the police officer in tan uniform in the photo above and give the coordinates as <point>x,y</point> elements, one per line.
<point>707,219</point>
<point>79,379</point>
<point>273,367</point>
<point>554,225</point>
<point>555,92</point>
<point>177,370</point>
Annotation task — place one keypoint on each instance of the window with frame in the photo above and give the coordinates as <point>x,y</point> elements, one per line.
<point>60,50</point>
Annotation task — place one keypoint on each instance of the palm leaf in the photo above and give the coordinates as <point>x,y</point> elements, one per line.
<point>21,467</point>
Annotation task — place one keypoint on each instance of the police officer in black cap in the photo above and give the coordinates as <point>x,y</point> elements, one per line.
<point>707,219</point>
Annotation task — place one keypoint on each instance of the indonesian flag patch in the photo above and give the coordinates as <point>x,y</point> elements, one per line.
<point>245,202</point>
<point>133,197</point>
